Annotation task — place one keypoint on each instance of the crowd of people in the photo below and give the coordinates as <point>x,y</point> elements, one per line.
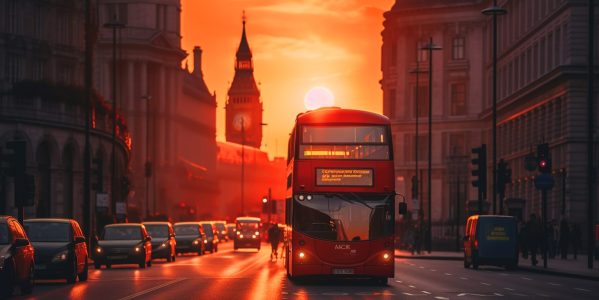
<point>560,239</point>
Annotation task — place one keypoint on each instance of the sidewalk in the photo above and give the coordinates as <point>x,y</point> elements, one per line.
<point>570,268</point>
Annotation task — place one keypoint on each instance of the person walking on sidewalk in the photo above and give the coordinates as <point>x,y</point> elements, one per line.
<point>274,236</point>
<point>564,238</point>
<point>576,236</point>
<point>535,233</point>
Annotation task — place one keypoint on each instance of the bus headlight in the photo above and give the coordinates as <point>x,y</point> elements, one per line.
<point>309,197</point>
<point>386,256</point>
<point>241,236</point>
<point>253,236</point>
<point>302,255</point>
<point>205,241</point>
<point>99,250</point>
<point>301,197</point>
<point>196,242</point>
<point>257,233</point>
<point>137,249</point>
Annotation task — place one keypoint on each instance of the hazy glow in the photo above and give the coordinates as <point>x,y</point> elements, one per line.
<point>318,97</point>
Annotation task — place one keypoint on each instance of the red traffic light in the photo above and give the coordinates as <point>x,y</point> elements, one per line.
<point>182,204</point>
<point>542,163</point>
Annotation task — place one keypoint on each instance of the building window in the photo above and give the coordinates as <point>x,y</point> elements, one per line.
<point>422,101</point>
<point>458,49</point>
<point>458,99</point>
<point>161,16</point>
<point>116,12</point>
<point>421,54</point>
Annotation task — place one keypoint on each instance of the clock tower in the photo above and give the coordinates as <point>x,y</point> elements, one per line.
<point>243,107</point>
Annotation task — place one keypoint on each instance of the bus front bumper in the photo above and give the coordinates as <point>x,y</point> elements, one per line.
<point>344,271</point>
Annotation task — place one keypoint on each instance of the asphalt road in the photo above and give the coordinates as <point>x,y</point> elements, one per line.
<point>251,275</point>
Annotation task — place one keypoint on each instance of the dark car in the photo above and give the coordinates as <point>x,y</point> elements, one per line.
<point>248,233</point>
<point>190,237</point>
<point>163,240</point>
<point>211,237</point>
<point>124,244</point>
<point>60,249</point>
<point>221,230</point>
<point>231,231</point>
<point>17,264</point>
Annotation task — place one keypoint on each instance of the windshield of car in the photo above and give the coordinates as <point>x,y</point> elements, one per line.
<point>122,233</point>
<point>157,230</point>
<point>48,231</point>
<point>3,234</point>
<point>247,226</point>
<point>207,229</point>
<point>220,227</point>
<point>344,217</point>
<point>187,230</point>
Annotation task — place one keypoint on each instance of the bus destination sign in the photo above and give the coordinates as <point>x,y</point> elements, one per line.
<point>344,177</point>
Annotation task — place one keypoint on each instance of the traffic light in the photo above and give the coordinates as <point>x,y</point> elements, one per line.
<point>504,176</point>
<point>98,174</point>
<point>479,163</point>
<point>544,163</point>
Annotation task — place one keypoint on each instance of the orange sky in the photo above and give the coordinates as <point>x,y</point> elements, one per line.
<point>297,44</point>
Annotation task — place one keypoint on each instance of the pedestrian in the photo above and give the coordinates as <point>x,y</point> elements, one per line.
<point>274,236</point>
<point>551,240</point>
<point>564,238</point>
<point>576,237</point>
<point>534,236</point>
<point>417,238</point>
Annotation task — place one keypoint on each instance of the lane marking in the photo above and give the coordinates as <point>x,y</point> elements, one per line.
<point>441,298</point>
<point>144,292</point>
<point>519,295</point>
<point>448,274</point>
<point>425,292</point>
<point>508,289</point>
<point>581,289</point>
<point>412,286</point>
<point>555,284</point>
<point>525,278</point>
<point>421,267</point>
<point>399,281</point>
<point>484,283</point>
<point>463,278</point>
<point>480,295</point>
<point>433,270</point>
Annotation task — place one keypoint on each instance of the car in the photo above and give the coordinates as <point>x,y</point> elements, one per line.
<point>163,240</point>
<point>221,230</point>
<point>231,231</point>
<point>248,233</point>
<point>190,237</point>
<point>125,243</point>
<point>17,258</point>
<point>211,237</point>
<point>491,240</point>
<point>60,249</point>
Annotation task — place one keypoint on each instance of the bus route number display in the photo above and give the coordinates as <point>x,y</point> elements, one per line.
<point>344,177</point>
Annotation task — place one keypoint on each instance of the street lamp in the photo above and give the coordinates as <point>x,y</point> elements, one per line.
<point>115,25</point>
<point>430,47</point>
<point>415,180</point>
<point>495,11</point>
<point>148,165</point>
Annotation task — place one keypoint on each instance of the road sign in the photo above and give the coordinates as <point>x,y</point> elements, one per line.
<point>544,181</point>
<point>102,200</point>
<point>121,208</point>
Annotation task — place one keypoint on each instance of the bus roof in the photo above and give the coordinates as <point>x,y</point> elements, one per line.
<point>248,219</point>
<point>330,115</point>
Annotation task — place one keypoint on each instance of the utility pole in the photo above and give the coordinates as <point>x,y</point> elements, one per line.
<point>590,136</point>
<point>148,165</point>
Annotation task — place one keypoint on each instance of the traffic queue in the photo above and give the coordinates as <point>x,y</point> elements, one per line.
<point>56,248</point>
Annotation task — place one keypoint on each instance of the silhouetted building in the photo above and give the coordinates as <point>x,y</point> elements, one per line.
<point>181,142</point>
<point>42,103</point>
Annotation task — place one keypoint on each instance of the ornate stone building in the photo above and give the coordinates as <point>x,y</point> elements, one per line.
<point>541,98</point>
<point>180,142</point>
<point>42,103</point>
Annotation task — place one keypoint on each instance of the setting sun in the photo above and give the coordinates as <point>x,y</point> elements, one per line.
<point>318,97</point>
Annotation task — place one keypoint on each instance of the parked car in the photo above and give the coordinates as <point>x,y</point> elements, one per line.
<point>248,233</point>
<point>17,258</point>
<point>491,240</point>
<point>190,237</point>
<point>211,237</point>
<point>231,231</point>
<point>163,240</point>
<point>60,249</point>
<point>124,244</point>
<point>221,230</point>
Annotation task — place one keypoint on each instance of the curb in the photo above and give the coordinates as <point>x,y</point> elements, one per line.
<point>456,258</point>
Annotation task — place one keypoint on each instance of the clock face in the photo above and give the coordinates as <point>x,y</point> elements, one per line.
<point>241,120</point>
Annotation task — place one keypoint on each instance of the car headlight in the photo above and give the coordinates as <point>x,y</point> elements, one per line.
<point>196,242</point>
<point>241,236</point>
<point>253,236</point>
<point>61,256</point>
<point>257,233</point>
<point>99,250</point>
<point>163,245</point>
<point>205,241</point>
<point>223,232</point>
<point>137,249</point>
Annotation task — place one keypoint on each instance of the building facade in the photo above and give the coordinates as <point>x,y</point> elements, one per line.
<point>171,112</point>
<point>541,98</point>
<point>42,103</point>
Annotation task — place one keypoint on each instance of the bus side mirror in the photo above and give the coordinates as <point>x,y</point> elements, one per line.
<point>403,208</point>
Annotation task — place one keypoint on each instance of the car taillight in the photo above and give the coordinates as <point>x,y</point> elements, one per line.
<point>476,244</point>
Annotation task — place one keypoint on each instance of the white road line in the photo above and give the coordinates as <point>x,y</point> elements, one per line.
<point>433,270</point>
<point>399,281</point>
<point>144,292</point>
<point>581,289</point>
<point>525,278</point>
<point>412,286</point>
<point>425,292</point>
<point>441,298</point>
<point>463,278</point>
<point>519,295</point>
<point>448,274</point>
<point>484,283</point>
<point>421,267</point>
<point>554,284</point>
<point>508,289</point>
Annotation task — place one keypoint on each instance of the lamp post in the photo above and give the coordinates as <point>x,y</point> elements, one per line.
<point>115,25</point>
<point>495,11</point>
<point>430,47</point>
<point>148,165</point>
<point>415,180</point>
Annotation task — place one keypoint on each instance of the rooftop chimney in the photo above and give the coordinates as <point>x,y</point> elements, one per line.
<point>197,61</point>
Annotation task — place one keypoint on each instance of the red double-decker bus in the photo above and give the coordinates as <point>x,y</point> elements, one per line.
<point>340,195</point>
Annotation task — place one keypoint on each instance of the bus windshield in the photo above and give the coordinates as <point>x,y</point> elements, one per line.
<point>344,142</point>
<point>247,226</point>
<point>345,216</point>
